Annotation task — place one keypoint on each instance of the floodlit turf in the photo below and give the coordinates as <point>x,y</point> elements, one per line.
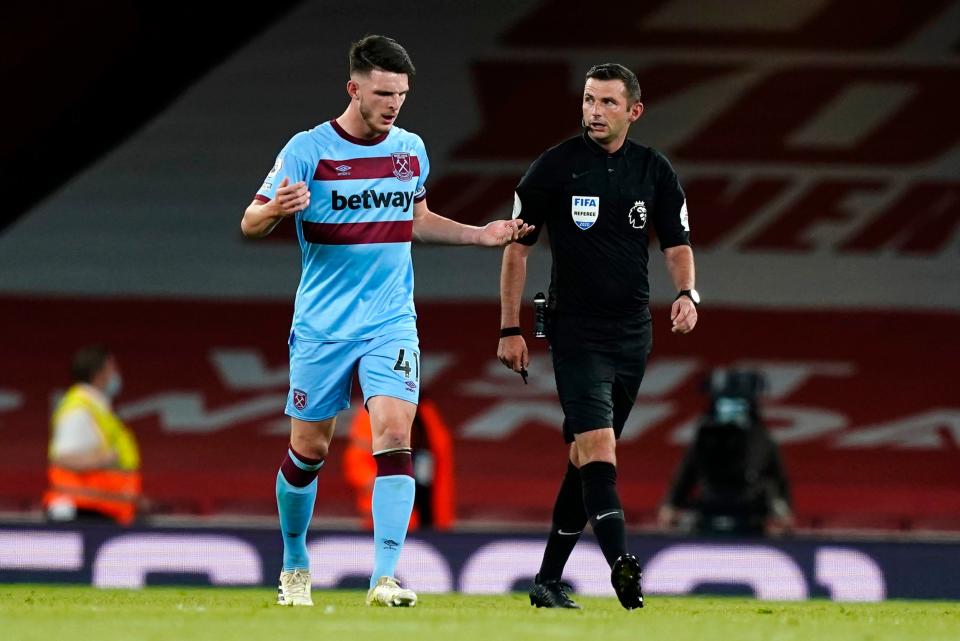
<point>48,613</point>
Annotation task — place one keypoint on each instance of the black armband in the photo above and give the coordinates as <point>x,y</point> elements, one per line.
<point>510,331</point>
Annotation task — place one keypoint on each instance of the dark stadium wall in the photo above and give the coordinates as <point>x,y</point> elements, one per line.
<point>818,173</point>
<point>83,77</point>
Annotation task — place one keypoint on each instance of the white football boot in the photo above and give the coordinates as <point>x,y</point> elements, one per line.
<point>388,593</point>
<point>294,588</point>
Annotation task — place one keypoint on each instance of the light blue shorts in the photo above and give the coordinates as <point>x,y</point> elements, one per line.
<point>321,374</point>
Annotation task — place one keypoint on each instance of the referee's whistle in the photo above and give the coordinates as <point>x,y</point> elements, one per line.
<point>523,373</point>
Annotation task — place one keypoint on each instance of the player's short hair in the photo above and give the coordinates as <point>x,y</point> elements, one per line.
<point>613,71</point>
<point>380,52</point>
<point>87,362</point>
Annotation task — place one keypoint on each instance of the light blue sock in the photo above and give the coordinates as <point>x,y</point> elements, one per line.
<point>295,505</point>
<point>392,506</point>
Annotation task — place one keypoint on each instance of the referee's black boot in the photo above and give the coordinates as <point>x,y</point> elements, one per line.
<point>551,594</point>
<point>625,577</point>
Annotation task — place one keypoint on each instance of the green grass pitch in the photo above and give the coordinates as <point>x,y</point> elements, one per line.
<point>58,613</point>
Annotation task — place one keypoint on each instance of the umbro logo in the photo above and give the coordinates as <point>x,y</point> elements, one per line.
<point>390,544</point>
<point>343,170</point>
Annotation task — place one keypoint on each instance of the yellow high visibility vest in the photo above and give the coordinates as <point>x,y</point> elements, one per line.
<point>113,492</point>
<point>116,436</point>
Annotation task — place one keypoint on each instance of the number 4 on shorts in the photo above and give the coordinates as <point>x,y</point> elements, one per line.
<point>403,365</point>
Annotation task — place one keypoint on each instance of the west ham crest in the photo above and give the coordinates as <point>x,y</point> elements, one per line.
<point>299,399</point>
<point>638,215</point>
<point>402,167</point>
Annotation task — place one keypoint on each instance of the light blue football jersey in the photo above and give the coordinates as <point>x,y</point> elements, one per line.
<point>357,274</point>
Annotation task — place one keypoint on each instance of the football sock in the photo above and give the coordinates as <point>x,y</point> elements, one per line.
<point>604,509</point>
<point>393,493</point>
<point>296,494</point>
<point>569,519</point>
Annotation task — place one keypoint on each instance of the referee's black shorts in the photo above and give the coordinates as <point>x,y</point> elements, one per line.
<point>598,364</point>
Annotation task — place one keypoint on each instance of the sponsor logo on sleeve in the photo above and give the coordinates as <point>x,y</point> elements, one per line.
<point>268,181</point>
<point>517,205</point>
<point>276,167</point>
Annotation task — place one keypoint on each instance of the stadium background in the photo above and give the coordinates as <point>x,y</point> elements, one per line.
<point>818,145</point>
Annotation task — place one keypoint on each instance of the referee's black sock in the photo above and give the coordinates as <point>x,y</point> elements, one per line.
<point>604,509</point>
<point>569,519</point>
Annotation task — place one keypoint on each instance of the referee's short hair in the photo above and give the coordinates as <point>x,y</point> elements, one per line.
<point>87,362</point>
<point>613,71</point>
<point>380,52</point>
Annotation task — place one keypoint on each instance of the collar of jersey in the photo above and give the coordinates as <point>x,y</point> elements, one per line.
<point>600,151</point>
<point>357,141</point>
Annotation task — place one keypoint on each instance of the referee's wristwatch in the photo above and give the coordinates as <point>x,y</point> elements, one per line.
<point>692,294</point>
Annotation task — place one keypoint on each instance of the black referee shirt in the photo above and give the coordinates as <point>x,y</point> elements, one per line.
<point>599,208</point>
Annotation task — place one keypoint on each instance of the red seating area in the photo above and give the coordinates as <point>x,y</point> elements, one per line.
<point>212,430</point>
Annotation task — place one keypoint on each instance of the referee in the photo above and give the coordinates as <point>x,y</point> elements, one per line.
<point>599,194</point>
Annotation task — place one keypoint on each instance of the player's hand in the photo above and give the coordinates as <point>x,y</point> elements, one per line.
<point>290,198</point>
<point>684,316</point>
<point>503,232</point>
<point>512,352</point>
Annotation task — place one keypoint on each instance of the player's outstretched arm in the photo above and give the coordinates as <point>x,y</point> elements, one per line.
<point>260,218</point>
<point>429,227</point>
